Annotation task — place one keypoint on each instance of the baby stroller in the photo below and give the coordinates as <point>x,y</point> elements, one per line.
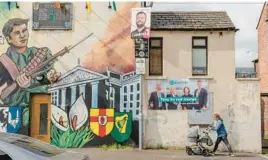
<point>197,147</point>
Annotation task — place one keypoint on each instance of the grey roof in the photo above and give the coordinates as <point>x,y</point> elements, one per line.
<point>205,20</point>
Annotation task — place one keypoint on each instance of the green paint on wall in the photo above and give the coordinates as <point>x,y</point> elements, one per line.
<point>4,6</point>
<point>25,116</point>
<point>70,138</point>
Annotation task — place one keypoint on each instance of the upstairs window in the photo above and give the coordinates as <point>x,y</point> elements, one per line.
<point>156,57</point>
<point>199,56</point>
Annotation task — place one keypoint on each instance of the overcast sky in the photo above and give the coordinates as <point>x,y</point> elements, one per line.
<point>244,16</point>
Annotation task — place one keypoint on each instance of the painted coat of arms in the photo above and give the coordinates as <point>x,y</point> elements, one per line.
<point>123,126</point>
<point>14,119</point>
<point>101,121</point>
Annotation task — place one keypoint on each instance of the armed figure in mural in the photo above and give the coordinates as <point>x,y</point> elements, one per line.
<point>25,70</point>
<point>19,60</point>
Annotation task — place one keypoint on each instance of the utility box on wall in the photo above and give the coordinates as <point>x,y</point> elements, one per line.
<point>202,117</point>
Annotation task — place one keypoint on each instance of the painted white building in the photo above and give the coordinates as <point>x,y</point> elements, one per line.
<point>130,97</point>
<point>119,91</point>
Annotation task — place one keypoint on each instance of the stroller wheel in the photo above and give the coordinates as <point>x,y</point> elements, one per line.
<point>205,153</point>
<point>189,151</point>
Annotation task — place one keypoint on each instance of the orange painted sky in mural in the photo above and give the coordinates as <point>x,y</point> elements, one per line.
<point>116,48</point>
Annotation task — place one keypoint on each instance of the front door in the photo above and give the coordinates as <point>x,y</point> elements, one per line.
<point>40,111</point>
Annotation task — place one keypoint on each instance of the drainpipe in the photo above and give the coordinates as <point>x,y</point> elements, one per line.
<point>140,115</point>
<point>143,4</point>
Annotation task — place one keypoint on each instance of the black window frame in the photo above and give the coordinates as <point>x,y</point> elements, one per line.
<point>161,46</point>
<point>200,47</point>
<point>138,87</point>
<point>131,88</point>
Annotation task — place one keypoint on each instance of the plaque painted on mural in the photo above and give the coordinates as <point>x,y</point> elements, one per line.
<point>181,94</point>
<point>52,15</point>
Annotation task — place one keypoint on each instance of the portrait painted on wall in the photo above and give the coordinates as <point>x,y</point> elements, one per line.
<point>183,94</point>
<point>20,68</point>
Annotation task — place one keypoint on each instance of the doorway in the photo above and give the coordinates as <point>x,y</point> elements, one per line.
<point>40,113</point>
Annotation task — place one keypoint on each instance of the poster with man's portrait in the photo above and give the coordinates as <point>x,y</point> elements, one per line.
<point>191,95</point>
<point>141,23</point>
<point>180,94</point>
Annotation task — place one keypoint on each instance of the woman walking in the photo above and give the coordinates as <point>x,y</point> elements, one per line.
<point>221,133</point>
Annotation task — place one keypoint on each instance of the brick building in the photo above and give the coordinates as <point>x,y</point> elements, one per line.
<point>261,65</point>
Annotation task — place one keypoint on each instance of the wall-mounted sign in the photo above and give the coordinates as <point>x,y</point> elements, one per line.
<point>141,48</point>
<point>2,40</point>
<point>141,23</point>
<point>140,65</point>
<point>148,4</point>
<point>48,16</point>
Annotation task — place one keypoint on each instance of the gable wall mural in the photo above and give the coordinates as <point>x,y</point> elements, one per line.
<point>94,88</point>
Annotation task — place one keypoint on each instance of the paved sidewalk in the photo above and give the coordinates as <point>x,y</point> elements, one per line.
<point>99,154</point>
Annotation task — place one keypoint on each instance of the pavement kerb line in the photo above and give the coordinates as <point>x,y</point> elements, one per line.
<point>261,155</point>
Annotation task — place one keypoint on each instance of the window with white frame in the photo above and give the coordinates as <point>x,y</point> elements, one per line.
<point>132,98</point>
<point>125,89</point>
<point>136,101</point>
<point>54,97</point>
<point>112,97</point>
<point>125,99</point>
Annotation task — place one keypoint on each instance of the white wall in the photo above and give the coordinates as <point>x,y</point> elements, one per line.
<point>241,117</point>
<point>241,114</point>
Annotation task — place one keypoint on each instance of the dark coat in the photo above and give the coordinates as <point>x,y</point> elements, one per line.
<point>172,105</point>
<point>154,100</point>
<point>203,96</point>
<point>185,105</point>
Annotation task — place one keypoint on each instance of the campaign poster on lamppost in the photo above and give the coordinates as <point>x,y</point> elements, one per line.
<point>140,23</point>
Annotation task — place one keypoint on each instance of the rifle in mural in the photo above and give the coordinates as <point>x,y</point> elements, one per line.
<point>40,68</point>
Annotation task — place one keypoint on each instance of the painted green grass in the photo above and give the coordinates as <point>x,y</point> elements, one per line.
<point>158,146</point>
<point>69,138</point>
<point>115,146</point>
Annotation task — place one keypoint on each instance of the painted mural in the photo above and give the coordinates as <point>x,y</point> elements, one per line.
<point>182,94</point>
<point>3,119</point>
<point>20,72</point>
<point>71,131</point>
<point>96,102</point>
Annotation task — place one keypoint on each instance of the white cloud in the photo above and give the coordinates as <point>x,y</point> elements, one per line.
<point>244,16</point>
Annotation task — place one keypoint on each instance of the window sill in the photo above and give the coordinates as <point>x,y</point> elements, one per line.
<point>156,77</point>
<point>201,77</point>
<point>248,79</point>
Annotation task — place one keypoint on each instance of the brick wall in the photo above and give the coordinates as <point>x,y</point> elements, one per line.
<point>264,117</point>
<point>263,50</point>
<point>262,66</point>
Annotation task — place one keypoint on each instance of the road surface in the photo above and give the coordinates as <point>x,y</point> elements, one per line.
<point>128,154</point>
